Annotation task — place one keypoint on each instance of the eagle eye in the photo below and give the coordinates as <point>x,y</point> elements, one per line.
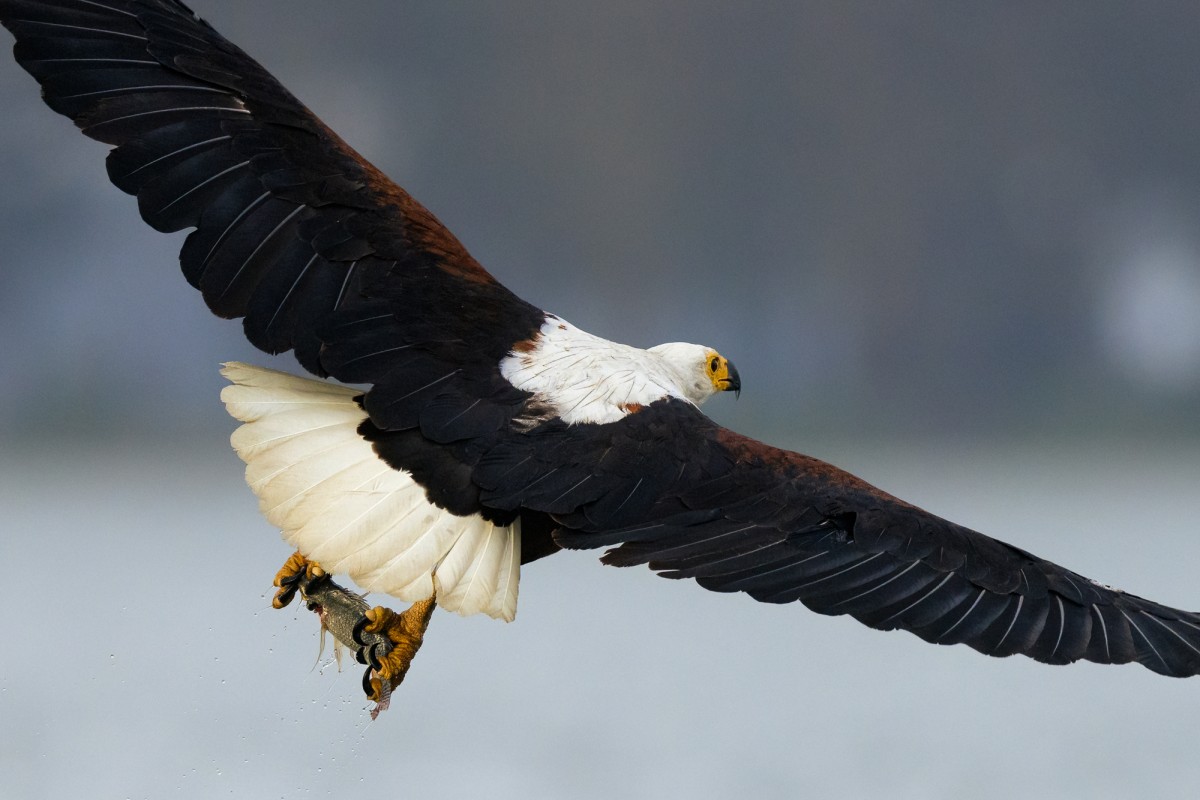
<point>714,364</point>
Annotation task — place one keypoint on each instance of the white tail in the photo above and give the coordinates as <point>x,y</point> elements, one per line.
<point>339,504</point>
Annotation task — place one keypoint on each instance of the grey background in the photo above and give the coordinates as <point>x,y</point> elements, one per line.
<point>951,247</point>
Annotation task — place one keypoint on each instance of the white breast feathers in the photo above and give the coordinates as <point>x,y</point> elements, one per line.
<point>584,378</point>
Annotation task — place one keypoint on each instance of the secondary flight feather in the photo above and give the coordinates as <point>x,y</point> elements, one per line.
<point>494,433</point>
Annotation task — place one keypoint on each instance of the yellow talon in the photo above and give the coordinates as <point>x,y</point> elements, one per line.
<point>405,631</point>
<point>393,639</point>
<point>374,689</point>
<point>377,618</point>
<point>289,576</point>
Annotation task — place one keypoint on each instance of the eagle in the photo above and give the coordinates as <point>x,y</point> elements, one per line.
<point>491,433</point>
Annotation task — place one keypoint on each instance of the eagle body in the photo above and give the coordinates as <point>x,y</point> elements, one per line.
<point>357,512</point>
<point>491,433</point>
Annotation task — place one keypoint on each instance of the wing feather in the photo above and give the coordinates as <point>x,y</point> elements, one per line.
<point>294,232</point>
<point>783,527</point>
<point>283,208</point>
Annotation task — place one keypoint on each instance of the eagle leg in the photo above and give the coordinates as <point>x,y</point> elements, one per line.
<point>295,570</point>
<point>405,631</point>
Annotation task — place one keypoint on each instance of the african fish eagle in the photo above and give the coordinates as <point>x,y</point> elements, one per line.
<point>494,433</point>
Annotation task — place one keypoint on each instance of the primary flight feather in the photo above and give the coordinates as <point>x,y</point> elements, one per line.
<point>494,433</point>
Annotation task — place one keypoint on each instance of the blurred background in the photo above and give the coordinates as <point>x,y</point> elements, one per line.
<point>952,247</point>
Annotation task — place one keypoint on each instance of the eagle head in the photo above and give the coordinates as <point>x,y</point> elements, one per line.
<point>700,371</point>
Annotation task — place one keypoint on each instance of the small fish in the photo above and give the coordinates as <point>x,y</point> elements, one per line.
<point>340,612</point>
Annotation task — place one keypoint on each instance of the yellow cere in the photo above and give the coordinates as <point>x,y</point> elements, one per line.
<point>718,370</point>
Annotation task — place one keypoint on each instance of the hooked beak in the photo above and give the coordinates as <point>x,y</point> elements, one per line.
<point>732,382</point>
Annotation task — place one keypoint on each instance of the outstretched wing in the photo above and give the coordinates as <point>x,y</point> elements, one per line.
<point>294,231</point>
<point>694,500</point>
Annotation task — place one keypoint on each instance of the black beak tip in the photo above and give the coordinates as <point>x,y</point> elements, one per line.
<point>735,382</point>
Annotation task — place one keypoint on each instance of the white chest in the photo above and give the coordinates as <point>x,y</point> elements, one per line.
<point>585,378</point>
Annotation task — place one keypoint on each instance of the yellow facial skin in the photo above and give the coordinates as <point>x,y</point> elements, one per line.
<point>724,376</point>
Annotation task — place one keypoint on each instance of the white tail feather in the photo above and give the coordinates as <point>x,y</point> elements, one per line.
<point>341,505</point>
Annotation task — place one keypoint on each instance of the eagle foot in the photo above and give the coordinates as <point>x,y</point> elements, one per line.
<point>405,632</point>
<point>295,570</point>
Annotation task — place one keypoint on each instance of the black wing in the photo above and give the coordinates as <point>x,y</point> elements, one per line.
<point>693,500</point>
<point>295,232</point>
<point>316,249</point>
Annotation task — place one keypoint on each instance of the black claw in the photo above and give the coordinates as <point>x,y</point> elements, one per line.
<point>373,657</point>
<point>369,655</point>
<point>366,683</point>
<point>357,633</point>
<point>285,594</point>
<point>291,580</point>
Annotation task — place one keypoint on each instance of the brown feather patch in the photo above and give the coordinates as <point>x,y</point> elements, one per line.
<point>527,345</point>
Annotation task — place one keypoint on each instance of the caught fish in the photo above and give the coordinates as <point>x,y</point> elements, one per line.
<point>342,613</point>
